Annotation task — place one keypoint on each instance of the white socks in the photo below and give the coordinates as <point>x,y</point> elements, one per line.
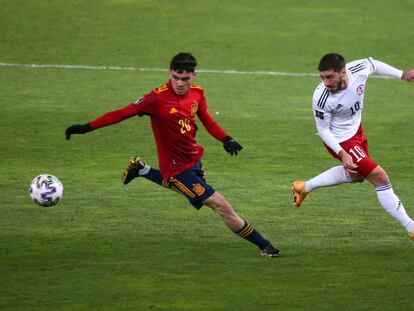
<point>334,176</point>
<point>144,170</point>
<point>386,196</point>
<point>392,204</point>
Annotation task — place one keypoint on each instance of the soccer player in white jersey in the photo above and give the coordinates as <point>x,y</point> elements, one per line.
<point>337,107</point>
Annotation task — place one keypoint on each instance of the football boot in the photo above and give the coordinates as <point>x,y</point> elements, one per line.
<point>132,170</point>
<point>270,251</point>
<point>299,192</point>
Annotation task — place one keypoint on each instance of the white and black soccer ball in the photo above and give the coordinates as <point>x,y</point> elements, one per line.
<point>46,190</point>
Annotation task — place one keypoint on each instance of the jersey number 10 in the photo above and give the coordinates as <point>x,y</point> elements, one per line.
<point>358,153</point>
<point>356,107</point>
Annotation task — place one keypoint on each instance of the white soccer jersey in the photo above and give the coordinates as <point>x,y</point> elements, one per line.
<point>340,112</point>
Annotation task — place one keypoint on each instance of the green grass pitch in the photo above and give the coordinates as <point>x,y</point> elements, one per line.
<point>140,247</point>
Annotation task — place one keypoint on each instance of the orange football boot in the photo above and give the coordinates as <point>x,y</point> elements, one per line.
<point>299,192</point>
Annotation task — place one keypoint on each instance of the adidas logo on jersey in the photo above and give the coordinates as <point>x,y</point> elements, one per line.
<point>173,110</point>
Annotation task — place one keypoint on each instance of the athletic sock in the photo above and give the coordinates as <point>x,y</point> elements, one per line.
<point>145,170</point>
<point>334,176</point>
<point>410,227</point>
<point>392,204</point>
<point>151,174</point>
<point>250,234</point>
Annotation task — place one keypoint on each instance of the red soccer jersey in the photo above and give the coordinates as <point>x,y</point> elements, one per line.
<point>173,124</point>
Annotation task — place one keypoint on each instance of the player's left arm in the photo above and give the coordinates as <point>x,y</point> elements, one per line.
<point>229,144</point>
<point>384,69</point>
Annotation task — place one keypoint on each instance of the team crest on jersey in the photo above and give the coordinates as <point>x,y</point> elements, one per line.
<point>199,189</point>
<point>194,108</point>
<point>360,89</point>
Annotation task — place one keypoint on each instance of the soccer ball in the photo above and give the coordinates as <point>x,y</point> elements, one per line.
<point>46,190</point>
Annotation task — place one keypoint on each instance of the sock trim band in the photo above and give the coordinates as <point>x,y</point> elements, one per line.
<point>246,231</point>
<point>383,187</point>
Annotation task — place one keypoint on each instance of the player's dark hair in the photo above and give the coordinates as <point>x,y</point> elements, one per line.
<point>183,62</point>
<point>332,61</point>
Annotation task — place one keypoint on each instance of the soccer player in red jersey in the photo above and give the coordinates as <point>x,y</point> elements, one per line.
<point>172,108</point>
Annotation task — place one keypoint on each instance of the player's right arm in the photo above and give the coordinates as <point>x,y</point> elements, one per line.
<point>323,116</point>
<point>144,105</point>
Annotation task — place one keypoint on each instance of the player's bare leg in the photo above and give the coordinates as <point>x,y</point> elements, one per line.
<point>239,226</point>
<point>222,207</point>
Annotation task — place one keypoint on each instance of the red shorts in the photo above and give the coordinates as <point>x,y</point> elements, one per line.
<point>357,148</point>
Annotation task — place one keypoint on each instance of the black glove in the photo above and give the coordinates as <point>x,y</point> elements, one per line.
<point>77,129</point>
<point>231,146</point>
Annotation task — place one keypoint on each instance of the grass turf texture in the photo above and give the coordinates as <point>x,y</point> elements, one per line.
<point>110,247</point>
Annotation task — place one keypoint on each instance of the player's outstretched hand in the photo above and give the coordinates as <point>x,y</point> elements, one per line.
<point>231,146</point>
<point>408,76</point>
<point>77,129</point>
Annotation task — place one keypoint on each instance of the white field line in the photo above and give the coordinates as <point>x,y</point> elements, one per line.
<point>213,71</point>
